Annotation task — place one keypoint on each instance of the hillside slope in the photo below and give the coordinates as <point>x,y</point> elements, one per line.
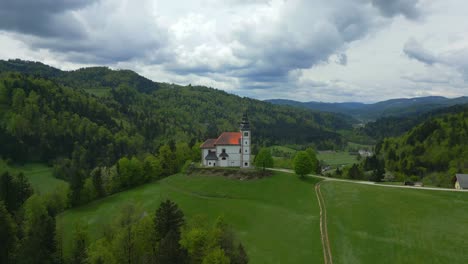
<point>435,149</point>
<point>47,114</point>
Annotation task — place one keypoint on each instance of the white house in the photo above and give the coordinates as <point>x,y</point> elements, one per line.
<point>462,181</point>
<point>230,149</point>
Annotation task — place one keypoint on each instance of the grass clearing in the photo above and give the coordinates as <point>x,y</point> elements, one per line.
<point>371,224</point>
<point>39,175</point>
<point>99,92</point>
<point>336,158</point>
<point>277,218</point>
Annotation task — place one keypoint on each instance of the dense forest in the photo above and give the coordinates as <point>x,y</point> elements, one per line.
<point>160,112</point>
<point>394,126</point>
<point>433,151</point>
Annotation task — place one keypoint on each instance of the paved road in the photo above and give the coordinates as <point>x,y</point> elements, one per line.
<point>377,184</point>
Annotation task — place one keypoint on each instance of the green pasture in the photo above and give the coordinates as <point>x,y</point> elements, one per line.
<point>39,175</point>
<point>336,158</point>
<point>277,218</point>
<point>372,224</point>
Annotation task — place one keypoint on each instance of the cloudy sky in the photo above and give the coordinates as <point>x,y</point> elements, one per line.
<point>306,50</point>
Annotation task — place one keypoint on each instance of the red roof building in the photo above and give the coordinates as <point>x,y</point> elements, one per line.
<point>230,149</point>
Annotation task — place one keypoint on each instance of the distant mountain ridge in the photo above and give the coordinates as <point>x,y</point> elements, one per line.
<point>392,107</point>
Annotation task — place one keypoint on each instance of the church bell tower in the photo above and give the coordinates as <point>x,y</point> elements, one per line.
<point>245,142</point>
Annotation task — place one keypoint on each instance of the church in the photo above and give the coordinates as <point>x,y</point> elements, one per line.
<point>230,149</point>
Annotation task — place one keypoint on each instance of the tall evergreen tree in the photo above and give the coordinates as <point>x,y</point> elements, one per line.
<point>97,182</point>
<point>7,235</point>
<point>38,243</point>
<point>167,223</point>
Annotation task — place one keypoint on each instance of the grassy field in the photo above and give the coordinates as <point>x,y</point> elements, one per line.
<point>332,158</point>
<point>335,159</point>
<point>369,224</point>
<point>358,146</point>
<point>276,217</point>
<point>39,175</point>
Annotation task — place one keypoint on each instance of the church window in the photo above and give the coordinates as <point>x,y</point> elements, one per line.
<point>223,158</point>
<point>224,150</point>
<point>246,134</point>
<point>240,150</point>
<point>245,151</point>
<point>246,164</point>
<point>246,143</point>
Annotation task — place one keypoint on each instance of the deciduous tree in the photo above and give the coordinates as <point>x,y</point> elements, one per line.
<point>302,164</point>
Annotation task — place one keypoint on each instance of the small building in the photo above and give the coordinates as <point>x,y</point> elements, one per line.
<point>230,149</point>
<point>365,153</point>
<point>462,181</point>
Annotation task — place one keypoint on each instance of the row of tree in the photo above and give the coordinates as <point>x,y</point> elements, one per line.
<point>126,173</point>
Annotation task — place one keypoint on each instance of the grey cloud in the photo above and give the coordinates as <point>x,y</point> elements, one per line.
<point>456,58</point>
<point>303,38</point>
<point>98,32</point>
<point>390,8</point>
<point>414,50</point>
<point>342,59</point>
<point>47,18</point>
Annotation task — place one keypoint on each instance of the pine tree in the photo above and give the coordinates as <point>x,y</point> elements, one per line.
<point>7,235</point>
<point>38,243</point>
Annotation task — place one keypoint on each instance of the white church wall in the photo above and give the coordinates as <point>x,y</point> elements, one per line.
<point>234,156</point>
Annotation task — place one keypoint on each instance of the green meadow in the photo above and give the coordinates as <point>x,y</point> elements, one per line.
<point>332,158</point>
<point>39,175</point>
<point>371,224</point>
<point>276,218</point>
<point>336,158</point>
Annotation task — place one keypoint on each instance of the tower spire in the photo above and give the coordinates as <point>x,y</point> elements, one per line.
<point>245,125</point>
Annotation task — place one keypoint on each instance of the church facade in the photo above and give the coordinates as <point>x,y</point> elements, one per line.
<point>230,149</point>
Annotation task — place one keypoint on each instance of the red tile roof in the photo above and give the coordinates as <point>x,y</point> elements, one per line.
<point>209,143</point>
<point>229,138</point>
<point>226,138</point>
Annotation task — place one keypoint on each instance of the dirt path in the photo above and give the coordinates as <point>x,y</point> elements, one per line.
<point>376,184</point>
<point>327,255</point>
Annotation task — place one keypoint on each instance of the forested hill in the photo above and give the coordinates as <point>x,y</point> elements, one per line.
<point>87,78</point>
<point>394,107</point>
<point>436,148</point>
<point>43,119</point>
<point>395,126</point>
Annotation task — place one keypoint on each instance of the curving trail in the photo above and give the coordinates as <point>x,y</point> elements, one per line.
<point>327,255</point>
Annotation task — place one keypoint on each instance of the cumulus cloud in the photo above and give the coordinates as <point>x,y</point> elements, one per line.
<point>256,45</point>
<point>46,18</point>
<point>89,31</point>
<point>390,8</point>
<point>414,50</point>
<point>454,55</point>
